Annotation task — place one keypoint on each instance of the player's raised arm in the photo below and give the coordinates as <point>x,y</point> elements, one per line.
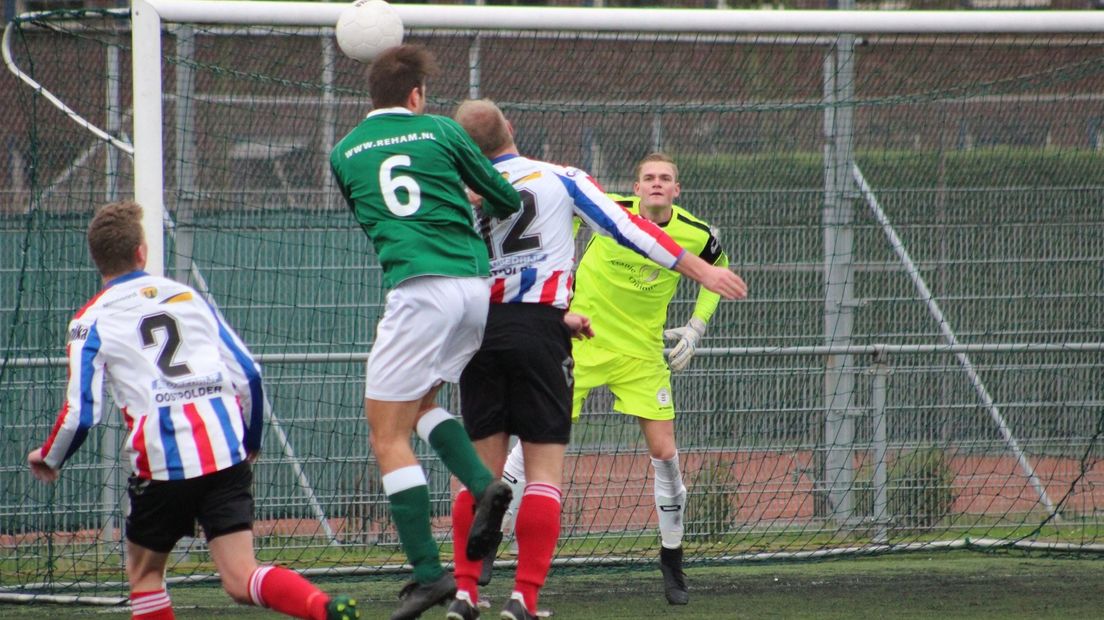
<point>500,199</point>
<point>720,280</point>
<point>642,236</point>
<point>608,218</point>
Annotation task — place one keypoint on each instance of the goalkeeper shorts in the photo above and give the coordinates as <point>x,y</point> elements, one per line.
<point>641,387</point>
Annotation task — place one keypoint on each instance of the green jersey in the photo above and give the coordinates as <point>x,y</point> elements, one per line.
<point>626,295</point>
<point>403,175</point>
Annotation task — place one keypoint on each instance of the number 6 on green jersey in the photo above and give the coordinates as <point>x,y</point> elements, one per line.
<point>389,183</point>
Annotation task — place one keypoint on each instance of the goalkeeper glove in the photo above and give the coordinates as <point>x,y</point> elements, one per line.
<point>688,338</point>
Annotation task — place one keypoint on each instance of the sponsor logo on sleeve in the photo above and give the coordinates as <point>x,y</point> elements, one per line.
<point>78,332</point>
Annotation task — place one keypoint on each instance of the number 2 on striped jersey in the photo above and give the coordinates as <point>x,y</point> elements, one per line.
<point>516,240</point>
<point>163,322</point>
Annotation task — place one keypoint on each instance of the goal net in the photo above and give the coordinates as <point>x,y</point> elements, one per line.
<point>914,200</point>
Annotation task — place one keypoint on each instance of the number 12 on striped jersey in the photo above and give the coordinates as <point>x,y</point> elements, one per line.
<point>516,239</point>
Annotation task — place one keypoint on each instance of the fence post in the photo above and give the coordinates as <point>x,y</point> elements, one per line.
<point>880,372</point>
<point>839,278</point>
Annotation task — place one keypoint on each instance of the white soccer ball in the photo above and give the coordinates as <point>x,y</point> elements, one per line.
<point>366,28</point>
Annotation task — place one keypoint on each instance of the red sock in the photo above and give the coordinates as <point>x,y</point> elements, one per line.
<point>537,531</point>
<point>464,570</point>
<point>287,592</point>
<point>151,605</point>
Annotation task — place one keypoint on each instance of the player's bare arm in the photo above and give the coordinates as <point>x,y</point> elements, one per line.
<point>717,279</point>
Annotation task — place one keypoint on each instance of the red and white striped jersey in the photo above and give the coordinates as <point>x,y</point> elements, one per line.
<point>533,251</point>
<point>190,391</point>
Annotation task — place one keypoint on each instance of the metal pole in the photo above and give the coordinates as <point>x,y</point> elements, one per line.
<point>878,390</point>
<point>328,118</point>
<point>839,302</point>
<point>186,154</point>
<point>657,132</point>
<point>474,66</point>
<point>109,499</point>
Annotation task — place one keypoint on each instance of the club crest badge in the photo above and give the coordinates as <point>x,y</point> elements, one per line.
<point>663,396</point>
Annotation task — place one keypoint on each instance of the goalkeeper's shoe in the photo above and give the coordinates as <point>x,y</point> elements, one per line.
<point>674,580</point>
<point>462,608</point>
<point>515,609</point>
<point>486,528</point>
<point>419,597</point>
<point>342,608</point>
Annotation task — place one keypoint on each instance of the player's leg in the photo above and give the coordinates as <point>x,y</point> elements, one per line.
<point>161,513</point>
<point>670,500</point>
<point>146,573</point>
<point>538,520</point>
<point>587,375</point>
<point>466,569</point>
<point>492,496</point>
<point>484,391</point>
<point>513,474</point>
<point>273,587</point>
<point>643,388</point>
<point>449,439</point>
<point>445,434</point>
<point>464,302</point>
<point>540,415</point>
<point>431,329</point>
<point>407,490</point>
<point>670,492</point>
<point>414,352</point>
<point>225,511</point>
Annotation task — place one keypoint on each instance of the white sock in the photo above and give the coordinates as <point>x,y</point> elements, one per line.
<point>430,421</point>
<point>513,474</point>
<point>670,500</point>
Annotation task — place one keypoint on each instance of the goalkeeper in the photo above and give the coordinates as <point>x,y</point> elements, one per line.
<point>626,297</point>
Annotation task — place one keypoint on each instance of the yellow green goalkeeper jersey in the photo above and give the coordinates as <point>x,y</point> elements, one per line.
<point>626,295</point>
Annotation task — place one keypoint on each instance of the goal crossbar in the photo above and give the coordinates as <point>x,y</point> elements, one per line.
<point>635,20</point>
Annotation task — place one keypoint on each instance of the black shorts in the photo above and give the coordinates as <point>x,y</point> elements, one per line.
<point>520,381</point>
<point>164,511</point>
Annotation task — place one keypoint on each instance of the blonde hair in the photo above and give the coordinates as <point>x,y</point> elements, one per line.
<point>657,156</point>
<point>485,123</point>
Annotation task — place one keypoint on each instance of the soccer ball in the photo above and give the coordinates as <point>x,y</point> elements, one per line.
<point>368,27</point>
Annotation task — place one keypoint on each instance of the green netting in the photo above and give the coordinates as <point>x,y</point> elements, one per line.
<point>986,154</point>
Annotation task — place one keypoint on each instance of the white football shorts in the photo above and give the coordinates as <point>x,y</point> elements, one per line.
<point>430,329</point>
